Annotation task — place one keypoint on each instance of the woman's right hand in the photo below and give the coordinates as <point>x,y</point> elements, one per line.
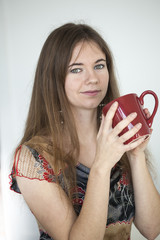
<point>111,147</point>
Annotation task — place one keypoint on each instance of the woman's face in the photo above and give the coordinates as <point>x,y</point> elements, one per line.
<point>87,78</point>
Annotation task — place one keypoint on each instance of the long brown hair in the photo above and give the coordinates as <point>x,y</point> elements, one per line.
<point>49,106</point>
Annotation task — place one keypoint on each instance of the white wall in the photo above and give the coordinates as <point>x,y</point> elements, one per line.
<point>132,29</point>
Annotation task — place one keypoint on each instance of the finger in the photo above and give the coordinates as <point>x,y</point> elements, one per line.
<point>101,126</point>
<point>151,130</point>
<point>135,144</point>
<point>146,112</point>
<point>110,114</point>
<point>130,133</point>
<point>124,123</point>
<point>147,139</point>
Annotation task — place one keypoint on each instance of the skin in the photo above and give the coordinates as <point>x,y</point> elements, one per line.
<point>87,78</point>
<point>85,86</point>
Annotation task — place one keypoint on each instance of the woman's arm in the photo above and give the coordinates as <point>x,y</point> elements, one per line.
<point>52,208</point>
<point>110,148</point>
<point>147,198</point>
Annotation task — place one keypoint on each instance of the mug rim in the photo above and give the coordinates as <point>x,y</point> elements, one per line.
<point>116,99</point>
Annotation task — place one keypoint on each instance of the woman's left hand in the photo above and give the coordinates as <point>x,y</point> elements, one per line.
<point>136,151</point>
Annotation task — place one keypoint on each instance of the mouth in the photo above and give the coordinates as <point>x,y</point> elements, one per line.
<point>91,92</point>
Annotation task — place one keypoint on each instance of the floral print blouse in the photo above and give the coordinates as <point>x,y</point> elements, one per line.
<point>32,165</point>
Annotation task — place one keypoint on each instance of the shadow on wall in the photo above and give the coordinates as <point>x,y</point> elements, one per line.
<point>2,229</point>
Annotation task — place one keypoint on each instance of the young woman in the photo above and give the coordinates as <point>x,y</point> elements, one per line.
<point>74,171</point>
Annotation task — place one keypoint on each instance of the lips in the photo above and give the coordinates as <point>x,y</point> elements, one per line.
<point>91,92</point>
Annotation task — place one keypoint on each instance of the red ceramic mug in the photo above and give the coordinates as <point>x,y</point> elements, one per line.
<point>132,103</point>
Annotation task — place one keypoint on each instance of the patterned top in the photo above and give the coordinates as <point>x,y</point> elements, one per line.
<point>32,165</point>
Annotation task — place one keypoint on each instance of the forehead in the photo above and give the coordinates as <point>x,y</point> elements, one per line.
<point>87,50</point>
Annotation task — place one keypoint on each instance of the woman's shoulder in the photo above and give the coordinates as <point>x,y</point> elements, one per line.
<point>33,162</point>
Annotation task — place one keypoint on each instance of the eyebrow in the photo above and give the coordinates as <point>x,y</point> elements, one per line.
<point>101,59</point>
<point>79,64</point>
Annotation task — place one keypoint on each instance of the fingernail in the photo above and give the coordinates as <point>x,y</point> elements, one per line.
<point>115,104</point>
<point>133,114</point>
<point>139,125</point>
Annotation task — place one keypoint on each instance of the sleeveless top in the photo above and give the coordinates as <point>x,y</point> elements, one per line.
<point>32,165</point>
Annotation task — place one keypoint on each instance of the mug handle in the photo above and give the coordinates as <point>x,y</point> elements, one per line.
<point>150,120</point>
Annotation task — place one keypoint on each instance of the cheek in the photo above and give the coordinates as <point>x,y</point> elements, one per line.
<point>72,84</point>
<point>106,83</point>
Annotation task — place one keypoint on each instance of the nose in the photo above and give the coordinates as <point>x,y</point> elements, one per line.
<point>91,77</point>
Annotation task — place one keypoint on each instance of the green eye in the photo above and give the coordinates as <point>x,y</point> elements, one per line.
<point>76,70</point>
<point>99,66</point>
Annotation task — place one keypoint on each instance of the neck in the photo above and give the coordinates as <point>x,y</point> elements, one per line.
<point>86,124</point>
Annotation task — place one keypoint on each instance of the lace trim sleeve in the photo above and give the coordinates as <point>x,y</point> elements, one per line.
<point>30,164</point>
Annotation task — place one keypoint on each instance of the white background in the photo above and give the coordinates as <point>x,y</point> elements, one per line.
<point>132,29</point>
